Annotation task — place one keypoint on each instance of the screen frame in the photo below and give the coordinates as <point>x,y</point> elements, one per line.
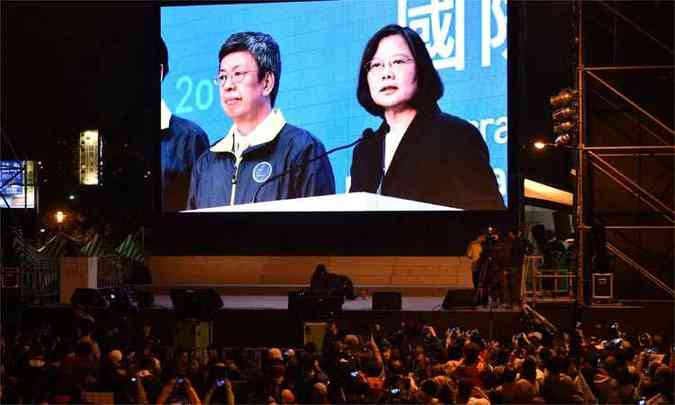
<point>340,233</point>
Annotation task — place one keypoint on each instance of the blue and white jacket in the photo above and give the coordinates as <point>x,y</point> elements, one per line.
<point>222,177</point>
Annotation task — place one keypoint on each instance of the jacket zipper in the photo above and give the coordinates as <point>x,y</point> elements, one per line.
<point>237,164</point>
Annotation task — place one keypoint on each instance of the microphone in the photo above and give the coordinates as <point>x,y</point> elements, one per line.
<point>366,133</point>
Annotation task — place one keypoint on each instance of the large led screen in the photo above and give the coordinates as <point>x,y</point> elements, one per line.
<point>17,184</point>
<point>321,44</point>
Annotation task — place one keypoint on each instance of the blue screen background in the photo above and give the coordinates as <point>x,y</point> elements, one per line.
<point>321,43</point>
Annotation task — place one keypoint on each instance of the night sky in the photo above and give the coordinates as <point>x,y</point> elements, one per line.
<point>68,67</point>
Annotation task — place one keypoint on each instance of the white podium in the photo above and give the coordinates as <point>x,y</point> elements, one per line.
<point>348,202</point>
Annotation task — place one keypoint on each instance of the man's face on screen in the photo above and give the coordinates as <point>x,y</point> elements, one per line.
<point>244,97</point>
<point>392,76</point>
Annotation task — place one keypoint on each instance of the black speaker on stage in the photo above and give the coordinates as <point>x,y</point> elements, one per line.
<point>312,307</point>
<point>90,297</point>
<point>144,298</point>
<point>386,300</point>
<point>458,298</point>
<point>120,300</point>
<point>198,303</point>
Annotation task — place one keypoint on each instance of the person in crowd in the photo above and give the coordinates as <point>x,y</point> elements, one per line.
<point>150,373</point>
<point>559,388</point>
<point>418,152</point>
<point>220,393</point>
<point>262,157</point>
<point>181,143</point>
<point>178,390</point>
<point>422,366</point>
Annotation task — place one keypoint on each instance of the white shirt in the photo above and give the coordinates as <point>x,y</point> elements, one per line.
<point>391,142</point>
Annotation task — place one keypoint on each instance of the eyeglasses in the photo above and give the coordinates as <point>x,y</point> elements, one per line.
<point>397,63</point>
<point>234,77</point>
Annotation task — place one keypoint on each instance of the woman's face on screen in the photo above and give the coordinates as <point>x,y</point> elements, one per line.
<point>392,75</point>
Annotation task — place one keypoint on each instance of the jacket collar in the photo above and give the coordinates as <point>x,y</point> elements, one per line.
<point>384,127</point>
<point>265,132</point>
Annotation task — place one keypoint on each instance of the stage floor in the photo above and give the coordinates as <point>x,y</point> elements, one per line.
<point>280,302</point>
<point>263,320</point>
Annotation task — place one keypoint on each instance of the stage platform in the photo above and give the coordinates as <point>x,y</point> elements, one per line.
<point>263,320</point>
<point>280,302</point>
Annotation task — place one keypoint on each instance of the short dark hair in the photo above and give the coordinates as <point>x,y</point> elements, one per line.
<point>163,57</point>
<point>429,85</point>
<point>265,51</point>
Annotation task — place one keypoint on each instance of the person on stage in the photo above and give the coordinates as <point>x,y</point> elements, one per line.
<point>514,249</point>
<point>181,143</point>
<point>473,253</point>
<point>418,152</point>
<point>260,144</point>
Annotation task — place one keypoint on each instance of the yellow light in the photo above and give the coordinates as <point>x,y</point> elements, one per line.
<point>539,145</point>
<point>60,216</point>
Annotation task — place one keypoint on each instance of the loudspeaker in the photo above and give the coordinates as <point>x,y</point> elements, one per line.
<point>386,301</point>
<point>314,332</point>
<point>314,307</point>
<point>458,298</point>
<point>195,303</point>
<point>145,298</point>
<point>90,297</point>
<point>603,286</point>
<point>120,300</point>
<point>194,335</point>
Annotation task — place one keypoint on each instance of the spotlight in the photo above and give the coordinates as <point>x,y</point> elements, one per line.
<point>563,98</point>
<point>563,140</point>
<point>565,116</point>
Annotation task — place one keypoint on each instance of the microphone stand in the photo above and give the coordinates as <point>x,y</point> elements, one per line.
<point>366,133</point>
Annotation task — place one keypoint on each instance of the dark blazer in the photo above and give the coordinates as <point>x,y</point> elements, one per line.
<point>442,159</point>
<point>181,145</point>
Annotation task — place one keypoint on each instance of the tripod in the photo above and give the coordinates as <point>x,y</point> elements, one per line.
<point>486,280</point>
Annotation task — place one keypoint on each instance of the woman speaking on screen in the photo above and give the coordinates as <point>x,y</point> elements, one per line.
<point>418,153</point>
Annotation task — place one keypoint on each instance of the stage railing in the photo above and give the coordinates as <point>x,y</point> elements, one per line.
<point>39,279</point>
<point>10,277</point>
<point>542,284</point>
<point>113,271</point>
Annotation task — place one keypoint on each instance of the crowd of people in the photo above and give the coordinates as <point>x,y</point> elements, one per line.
<point>418,363</point>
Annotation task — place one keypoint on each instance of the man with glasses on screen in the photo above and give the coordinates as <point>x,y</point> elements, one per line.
<point>262,157</point>
<point>182,141</point>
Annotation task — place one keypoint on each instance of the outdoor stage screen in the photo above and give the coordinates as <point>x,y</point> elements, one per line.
<point>321,45</point>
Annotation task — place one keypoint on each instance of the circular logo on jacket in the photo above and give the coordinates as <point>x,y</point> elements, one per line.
<point>262,172</point>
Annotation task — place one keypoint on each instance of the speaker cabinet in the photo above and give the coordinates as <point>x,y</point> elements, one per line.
<point>603,286</point>
<point>194,335</point>
<point>199,304</point>
<point>386,301</point>
<point>458,298</point>
<point>314,332</point>
<point>90,297</point>
<point>312,307</point>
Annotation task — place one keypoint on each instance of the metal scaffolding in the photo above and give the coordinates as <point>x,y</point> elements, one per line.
<point>594,159</point>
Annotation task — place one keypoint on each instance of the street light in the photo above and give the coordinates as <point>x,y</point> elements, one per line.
<point>60,216</point>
